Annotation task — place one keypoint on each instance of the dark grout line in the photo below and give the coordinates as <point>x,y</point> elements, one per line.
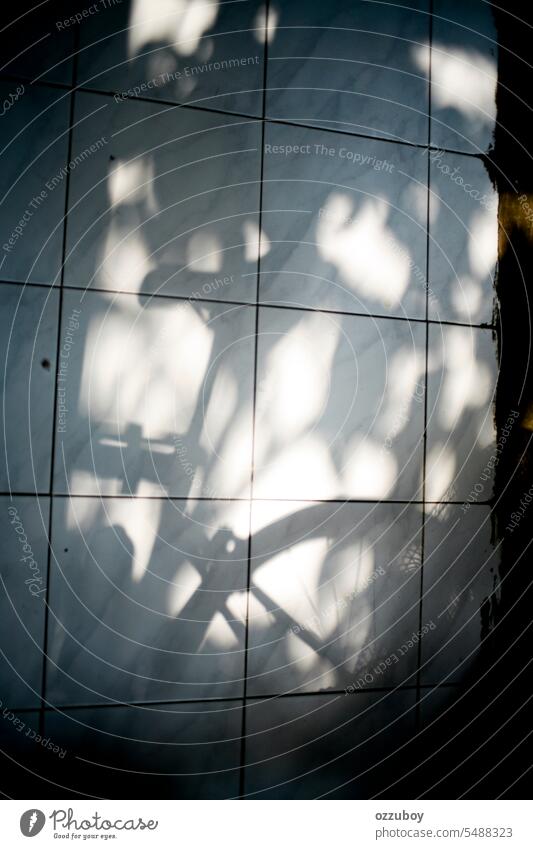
<point>54,414</point>
<point>124,496</point>
<point>368,137</point>
<point>252,304</point>
<point>172,104</point>
<point>49,708</point>
<point>257,305</point>
<point>243,115</point>
<point>254,405</point>
<point>424,443</point>
<point>482,326</point>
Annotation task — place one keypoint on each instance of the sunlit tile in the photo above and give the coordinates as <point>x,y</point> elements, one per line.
<point>158,398</point>
<point>207,52</point>
<point>147,600</point>
<point>461,438</point>
<point>334,596</point>
<point>353,67</point>
<point>161,199</point>
<point>463,246</point>
<point>464,74</point>
<point>344,222</point>
<point>339,406</point>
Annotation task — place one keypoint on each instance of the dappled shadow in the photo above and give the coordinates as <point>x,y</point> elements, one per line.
<point>186,563</point>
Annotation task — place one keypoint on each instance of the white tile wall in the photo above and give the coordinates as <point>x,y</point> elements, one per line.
<point>344,223</point>
<point>23,581</point>
<point>464,74</point>
<point>461,590</point>
<point>334,594</point>
<point>167,203</point>
<point>165,406</point>
<point>28,325</point>
<point>207,54</point>
<point>268,369</point>
<point>351,67</point>
<point>32,182</point>
<point>147,600</point>
<point>339,411</point>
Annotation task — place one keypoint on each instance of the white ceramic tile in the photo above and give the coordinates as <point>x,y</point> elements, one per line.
<point>460,590</point>
<point>461,440</point>
<point>23,583</point>
<point>334,597</point>
<point>355,67</point>
<point>209,54</point>
<point>28,330</point>
<point>167,201</point>
<point>463,246</point>
<point>158,396</point>
<point>147,600</point>
<point>32,183</point>
<point>172,752</point>
<point>464,75</point>
<point>339,406</point>
<point>37,40</point>
<point>344,223</point>
<point>307,746</point>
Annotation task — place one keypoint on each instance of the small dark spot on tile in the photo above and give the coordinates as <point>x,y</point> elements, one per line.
<point>46,364</point>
